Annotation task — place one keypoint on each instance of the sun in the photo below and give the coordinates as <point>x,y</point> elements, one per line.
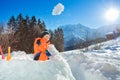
<point>112,14</point>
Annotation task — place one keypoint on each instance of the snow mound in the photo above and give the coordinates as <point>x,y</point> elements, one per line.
<point>92,66</point>
<point>102,64</point>
<point>23,67</point>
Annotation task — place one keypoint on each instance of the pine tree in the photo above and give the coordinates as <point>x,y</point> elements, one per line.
<point>59,40</point>
<point>43,26</point>
<point>52,39</point>
<point>1,28</point>
<point>31,34</point>
<point>27,20</point>
<point>23,31</point>
<point>38,29</point>
<point>12,23</point>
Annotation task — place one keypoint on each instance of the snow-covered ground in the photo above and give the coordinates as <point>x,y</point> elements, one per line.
<point>22,67</point>
<point>102,64</point>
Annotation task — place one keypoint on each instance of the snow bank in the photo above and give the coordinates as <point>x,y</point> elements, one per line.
<point>22,67</point>
<point>103,64</point>
<point>92,66</point>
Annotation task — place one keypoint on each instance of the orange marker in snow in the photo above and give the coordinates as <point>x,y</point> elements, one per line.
<point>8,55</point>
<point>1,52</point>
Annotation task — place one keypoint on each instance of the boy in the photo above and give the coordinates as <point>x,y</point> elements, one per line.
<point>41,47</point>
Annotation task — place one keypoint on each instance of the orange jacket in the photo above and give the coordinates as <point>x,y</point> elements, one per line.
<point>41,48</point>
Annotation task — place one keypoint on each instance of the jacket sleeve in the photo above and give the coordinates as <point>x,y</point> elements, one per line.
<point>48,53</point>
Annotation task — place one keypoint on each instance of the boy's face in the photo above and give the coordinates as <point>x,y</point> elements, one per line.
<point>47,37</point>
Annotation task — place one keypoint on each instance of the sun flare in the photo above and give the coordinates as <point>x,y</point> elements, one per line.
<point>112,14</point>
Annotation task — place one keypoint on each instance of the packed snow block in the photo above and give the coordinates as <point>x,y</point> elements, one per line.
<point>21,55</point>
<point>53,50</point>
<point>27,69</point>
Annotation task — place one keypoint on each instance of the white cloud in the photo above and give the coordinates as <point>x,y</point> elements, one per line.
<point>58,9</point>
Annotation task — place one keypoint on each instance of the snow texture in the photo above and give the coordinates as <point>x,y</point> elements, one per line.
<point>102,64</point>
<point>23,67</point>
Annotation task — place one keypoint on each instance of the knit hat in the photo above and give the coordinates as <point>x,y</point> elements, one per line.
<point>44,33</point>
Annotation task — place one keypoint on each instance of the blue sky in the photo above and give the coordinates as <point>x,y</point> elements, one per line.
<point>87,12</point>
